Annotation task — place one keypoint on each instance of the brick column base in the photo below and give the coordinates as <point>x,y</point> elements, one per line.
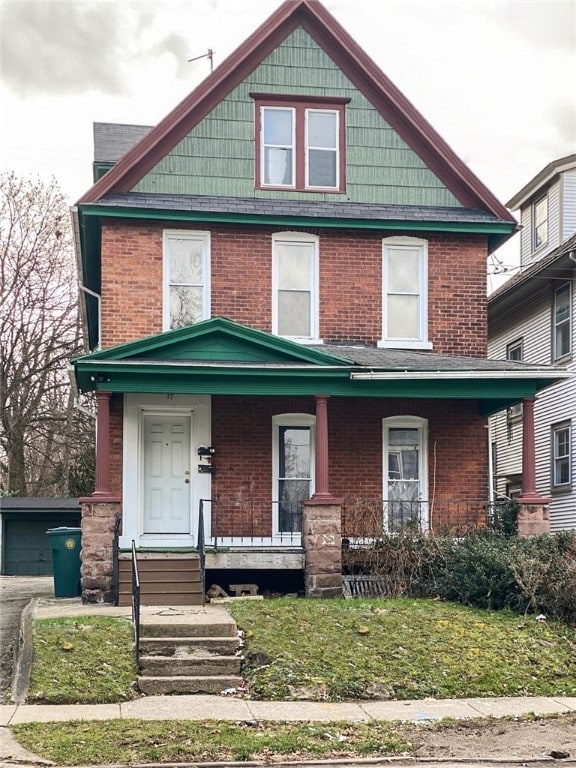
<point>98,518</point>
<point>533,519</point>
<point>322,541</point>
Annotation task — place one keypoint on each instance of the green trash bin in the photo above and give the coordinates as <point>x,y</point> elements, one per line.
<point>66,544</point>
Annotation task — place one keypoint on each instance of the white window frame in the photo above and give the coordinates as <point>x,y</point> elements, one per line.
<point>263,146</point>
<point>298,237</point>
<point>408,243</point>
<point>568,321</point>
<point>407,422</point>
<point>185,234</point>
<point>289,420</point>
<point>556,429</point>
<point>514,412</point>
<point>335,149</point>
<point>536,224</point>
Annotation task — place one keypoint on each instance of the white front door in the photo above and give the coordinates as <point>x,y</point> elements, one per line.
<point>167,477</point>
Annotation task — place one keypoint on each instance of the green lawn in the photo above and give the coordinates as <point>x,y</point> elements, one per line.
<point>88,660</point>
<point>139,741</point>
<point>400,649</point>
<point>331,650</point>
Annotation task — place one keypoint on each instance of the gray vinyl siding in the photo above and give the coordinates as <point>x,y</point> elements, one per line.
<point>217,156</point>
<point>568,204</point>
<point>527,255</point>
<point>532,322</point>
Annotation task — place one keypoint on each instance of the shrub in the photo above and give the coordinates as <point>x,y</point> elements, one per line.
<point>482,569</point>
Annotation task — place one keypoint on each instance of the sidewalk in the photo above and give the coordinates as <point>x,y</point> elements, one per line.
<point>200,707</point>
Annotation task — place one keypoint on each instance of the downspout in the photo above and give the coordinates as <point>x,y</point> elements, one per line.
<point>81,286</point>
<point>99,300</point>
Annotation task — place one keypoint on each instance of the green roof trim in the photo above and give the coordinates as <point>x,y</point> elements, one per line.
<point>217,339</point>
<point>492,227</point>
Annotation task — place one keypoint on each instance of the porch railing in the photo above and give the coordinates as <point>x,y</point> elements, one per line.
<point>364,520</point>
<point>136,603</point>
<point>202,550</point>
<point>234,522</point>
<point>115,557</point>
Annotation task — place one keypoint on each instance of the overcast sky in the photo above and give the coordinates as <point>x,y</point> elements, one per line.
<point>496,78</point>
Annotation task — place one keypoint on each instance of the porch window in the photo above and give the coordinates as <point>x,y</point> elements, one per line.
<point>405,293</point>
<point>295,286</point>
<point>186,278</point>
<point>562,321</point>
<point>561,457</point>
<point>293,455</point>
<point>405,478</point>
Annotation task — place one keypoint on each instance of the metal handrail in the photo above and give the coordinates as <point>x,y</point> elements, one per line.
<point>115,560</point>
<point>136,603</point>
<point>202,551</point>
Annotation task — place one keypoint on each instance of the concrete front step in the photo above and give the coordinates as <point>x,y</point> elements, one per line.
<point>189,646</point>
<point>186,666</point>
<point>188,684</point>
<point>204,623</point>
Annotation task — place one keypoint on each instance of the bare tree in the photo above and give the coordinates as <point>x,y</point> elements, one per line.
<point>42,437</point>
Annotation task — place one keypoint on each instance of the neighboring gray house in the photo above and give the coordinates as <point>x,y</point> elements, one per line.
<point>532,319</point>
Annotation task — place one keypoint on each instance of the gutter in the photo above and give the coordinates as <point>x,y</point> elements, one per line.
<point>459,375</point>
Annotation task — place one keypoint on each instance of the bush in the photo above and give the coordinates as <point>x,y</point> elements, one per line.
<point>482,569</point>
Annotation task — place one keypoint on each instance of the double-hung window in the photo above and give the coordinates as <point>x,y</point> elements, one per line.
<point>293,480</point>
<point>562,320</point>
<point>186,278</point>
<point>515,352</point>
<point>405,440</point>
<point>295,286</point>
<point>405,293</point>
<point>540,223</point>
<point>300,143</point>
<point>561,456</point>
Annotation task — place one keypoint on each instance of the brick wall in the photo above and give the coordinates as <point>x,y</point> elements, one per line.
<point>242,434</point>
<point>350,283</point>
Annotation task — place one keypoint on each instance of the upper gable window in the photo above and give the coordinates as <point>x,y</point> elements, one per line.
<point>540,223</point>
<point>186,278</point>
<point>405,293</point>
<point>300,143</point>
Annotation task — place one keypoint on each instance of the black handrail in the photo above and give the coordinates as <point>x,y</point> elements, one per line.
<point>115,562</point>
<point>136,603</point>
<point>202,551</point>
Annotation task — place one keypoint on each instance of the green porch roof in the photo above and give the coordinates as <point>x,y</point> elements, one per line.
<point>220,357</point>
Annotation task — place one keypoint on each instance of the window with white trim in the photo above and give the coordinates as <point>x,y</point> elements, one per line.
<point>515,352</point>
<point>540,223</point>
<point>562,321</point>
<point>293,469</point>
<point>405,293</point>
<point>405,462</point>
<point>295,286</point>
<point>186,295</point>
<point>300,143</point>
<point>561,456</point>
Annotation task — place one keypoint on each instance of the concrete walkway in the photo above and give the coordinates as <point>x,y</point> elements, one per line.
<point>199,707</point>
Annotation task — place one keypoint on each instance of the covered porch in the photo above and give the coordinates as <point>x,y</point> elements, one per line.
<point>271,440</point>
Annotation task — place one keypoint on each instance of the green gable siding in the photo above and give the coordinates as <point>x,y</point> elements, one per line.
<point>217,156</point>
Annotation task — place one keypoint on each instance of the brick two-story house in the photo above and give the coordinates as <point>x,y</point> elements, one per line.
<point>286,295</point>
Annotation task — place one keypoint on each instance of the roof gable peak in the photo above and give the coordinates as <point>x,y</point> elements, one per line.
<point>354,63</point>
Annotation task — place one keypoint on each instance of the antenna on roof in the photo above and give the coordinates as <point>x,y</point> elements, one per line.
<point>209,56</point>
